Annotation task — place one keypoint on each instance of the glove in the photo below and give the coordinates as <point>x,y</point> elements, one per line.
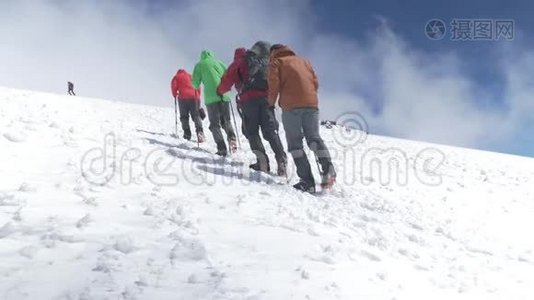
<point>202,113</point>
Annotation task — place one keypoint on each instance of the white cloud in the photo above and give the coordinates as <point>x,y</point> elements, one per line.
<point>425,96</point>
<point>118,50</point>
<point>114,49</point>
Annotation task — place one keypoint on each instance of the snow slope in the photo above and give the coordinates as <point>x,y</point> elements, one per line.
<point>166,221</point>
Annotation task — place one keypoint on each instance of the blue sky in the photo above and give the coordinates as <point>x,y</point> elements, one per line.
<point>354,19</point>
<point>372,57</point>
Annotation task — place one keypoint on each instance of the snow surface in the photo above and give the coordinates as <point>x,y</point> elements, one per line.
<point>166,221</point>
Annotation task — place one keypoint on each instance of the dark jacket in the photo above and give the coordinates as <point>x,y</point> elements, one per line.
<point>236,75</point>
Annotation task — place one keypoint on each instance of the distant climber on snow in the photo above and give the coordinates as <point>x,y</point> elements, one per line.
<point>70,87</point>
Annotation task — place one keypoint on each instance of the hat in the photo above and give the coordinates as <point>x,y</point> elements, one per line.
<point>261,48</point>
<point>275,47</point>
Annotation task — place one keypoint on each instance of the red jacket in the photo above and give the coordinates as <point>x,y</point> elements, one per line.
<point>231,78</point>
<point>181,86</point>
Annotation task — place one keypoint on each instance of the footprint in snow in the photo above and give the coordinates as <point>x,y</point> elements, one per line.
<point>381,276</point>
<point>370,256</point>
<point>49,239</point>
<point>8,200</point>
<point>149,211</point>
<point>16,136</point>
<point>131,292</point>
<point>415,239</point>
<point>28,252</point>
<point>311,231</point>
<point>7,230</point>
<point>95,189</point>
<point>403,252</point>
<point>192,279</point>
<point>26,187</point>
<point>415,226</point>
<point>421,267</point>
<point>84,222</point>
<point>17,215</point>
<point>188,249</point>
<point>91,201</point>
<point>366,218</point>
<point>124,244</point>
<point>523,259</point>
<point>328,259</point>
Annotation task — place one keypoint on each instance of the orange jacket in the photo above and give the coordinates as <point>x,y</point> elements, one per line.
<point>293,78</point>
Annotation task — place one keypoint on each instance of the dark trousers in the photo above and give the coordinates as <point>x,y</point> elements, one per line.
<point>240,112</point>
<point>256,115</point>
<point>219,116</point>
<point>71,92</point>
<point>304,123</point>
<point>189,107</point>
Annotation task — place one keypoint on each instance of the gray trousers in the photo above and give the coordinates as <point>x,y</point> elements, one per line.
<point>189,107</point>
<point>302,123</point>
<point>219,116</point>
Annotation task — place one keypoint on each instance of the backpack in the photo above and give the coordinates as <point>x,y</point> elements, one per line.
<point>257,72</point>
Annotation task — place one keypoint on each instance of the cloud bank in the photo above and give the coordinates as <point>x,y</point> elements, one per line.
<point>129,50</point>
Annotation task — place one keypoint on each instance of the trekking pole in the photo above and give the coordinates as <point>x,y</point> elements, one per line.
<point>197,107</point>
<point>315,153</point>
<point>198,137</point>
<point>235,125</point>
<point>175,119</point>
<point>318,164</point>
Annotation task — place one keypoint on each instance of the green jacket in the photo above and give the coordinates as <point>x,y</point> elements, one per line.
<point>209,72</point>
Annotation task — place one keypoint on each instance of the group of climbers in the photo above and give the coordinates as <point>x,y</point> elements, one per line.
<point>262,76</point>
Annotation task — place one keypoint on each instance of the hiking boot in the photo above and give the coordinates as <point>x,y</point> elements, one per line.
<point>233,146</point>
<point>305,187</point>
<point>261,168</point>
<point>222,153</point>
<point>329,179</point>
<point>282,168</point>
<point>187,134</point>
<point>221,149</point>
<point>200,137</point>
<point>328,182</point>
